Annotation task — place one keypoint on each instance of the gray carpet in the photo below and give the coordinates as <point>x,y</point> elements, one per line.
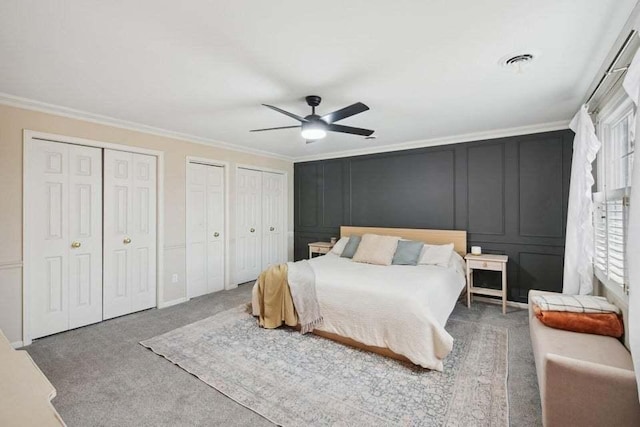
<point>104,377</point>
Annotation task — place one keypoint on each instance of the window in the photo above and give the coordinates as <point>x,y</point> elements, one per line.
<point>611,202</point>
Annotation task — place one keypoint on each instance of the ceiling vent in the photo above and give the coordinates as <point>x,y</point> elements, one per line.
<point>519,59</point>
<point>517,62</point>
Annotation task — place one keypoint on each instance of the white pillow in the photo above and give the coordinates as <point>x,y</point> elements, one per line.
<point>374,249</point>
<point>457,263</point>
<point>436,255</point>
<point>339,246</point>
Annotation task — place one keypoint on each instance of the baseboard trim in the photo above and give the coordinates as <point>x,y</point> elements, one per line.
<point>17,344</point>
<point>516,304</point>
<point>174,302</point>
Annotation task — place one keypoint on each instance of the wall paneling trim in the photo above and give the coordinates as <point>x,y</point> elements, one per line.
<point>510,194</point>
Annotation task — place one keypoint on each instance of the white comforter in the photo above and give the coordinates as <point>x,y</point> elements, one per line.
<point>403,308</point>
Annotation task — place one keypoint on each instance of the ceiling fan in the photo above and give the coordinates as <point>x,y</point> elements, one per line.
<point>315,127</point>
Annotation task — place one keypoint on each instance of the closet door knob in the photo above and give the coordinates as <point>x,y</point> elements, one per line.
<point>271,229</point>
<point>76,245</point>
<point>252,230</point>
<point>126,240</point>
<point>216,234</point>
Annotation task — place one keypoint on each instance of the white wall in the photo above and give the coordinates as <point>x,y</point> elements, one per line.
<point>12,123</point>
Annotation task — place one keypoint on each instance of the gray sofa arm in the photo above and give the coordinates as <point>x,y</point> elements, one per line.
<point>580,393</point>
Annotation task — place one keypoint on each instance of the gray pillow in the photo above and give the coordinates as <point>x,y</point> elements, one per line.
<point>407,253</point>
<point>352,246</point>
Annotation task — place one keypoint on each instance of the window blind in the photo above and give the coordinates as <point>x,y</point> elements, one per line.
<point>600,233</point>
<point>610,228</point>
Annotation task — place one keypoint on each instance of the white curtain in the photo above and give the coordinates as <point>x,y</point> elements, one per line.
<point>579,246</point>
<point>631,85</point>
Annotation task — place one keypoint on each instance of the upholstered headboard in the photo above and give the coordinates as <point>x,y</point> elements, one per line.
<point>434,237</point>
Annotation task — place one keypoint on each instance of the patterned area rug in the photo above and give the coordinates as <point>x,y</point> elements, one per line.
<point>296,380</point>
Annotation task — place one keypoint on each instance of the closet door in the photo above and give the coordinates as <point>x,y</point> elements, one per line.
<point>215,228</point>
<point>118,221</point>
<point>205,226</point>
<point>48,194</point>
<point>85,232</point>
<point>248,225</point>
<point>129,233</point>
<point>143,236</point>
<point>65,234</point>
<point>272,219</point>
<point>196,230</point>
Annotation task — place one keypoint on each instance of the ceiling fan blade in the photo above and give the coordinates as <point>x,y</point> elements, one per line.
<point>286,113</point>
<point>281,127</point>
<point>349,129</point>
<point>345,112</point>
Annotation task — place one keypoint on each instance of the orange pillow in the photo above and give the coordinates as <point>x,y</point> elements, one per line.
<point>609,324</point>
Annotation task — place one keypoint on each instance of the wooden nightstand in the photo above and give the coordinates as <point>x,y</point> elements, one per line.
<point>319,248</point>
<point>492,263</point>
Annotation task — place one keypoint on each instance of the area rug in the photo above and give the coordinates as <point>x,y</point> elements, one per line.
<point>305,380</point>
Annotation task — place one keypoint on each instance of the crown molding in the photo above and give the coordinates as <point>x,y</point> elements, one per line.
<point>30,104</point>
<point>43,107</point>
<point>456,139</point>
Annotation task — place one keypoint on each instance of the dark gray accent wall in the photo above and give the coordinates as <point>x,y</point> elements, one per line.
<point>510,194</point>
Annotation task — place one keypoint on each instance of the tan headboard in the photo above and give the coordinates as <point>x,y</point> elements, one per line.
<point>434,237</point>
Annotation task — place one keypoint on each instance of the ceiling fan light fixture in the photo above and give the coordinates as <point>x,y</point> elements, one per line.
<point>313,131</point>
<point>315,127</point>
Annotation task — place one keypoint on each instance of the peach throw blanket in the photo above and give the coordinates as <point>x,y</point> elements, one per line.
<point>609,324</point>
<point>274,296</point>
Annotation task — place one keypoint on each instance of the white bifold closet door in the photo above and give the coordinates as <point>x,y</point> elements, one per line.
<point>129,233</point>
<point>205,226</point>
<point>259,222</point>
<point>65,236</point>
<point>272,219</point>
<point>248,225</point>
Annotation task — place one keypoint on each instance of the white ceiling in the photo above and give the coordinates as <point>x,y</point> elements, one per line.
<point>427,69</point>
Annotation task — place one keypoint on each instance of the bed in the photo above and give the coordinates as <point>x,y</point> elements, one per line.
<point>396,311</point>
